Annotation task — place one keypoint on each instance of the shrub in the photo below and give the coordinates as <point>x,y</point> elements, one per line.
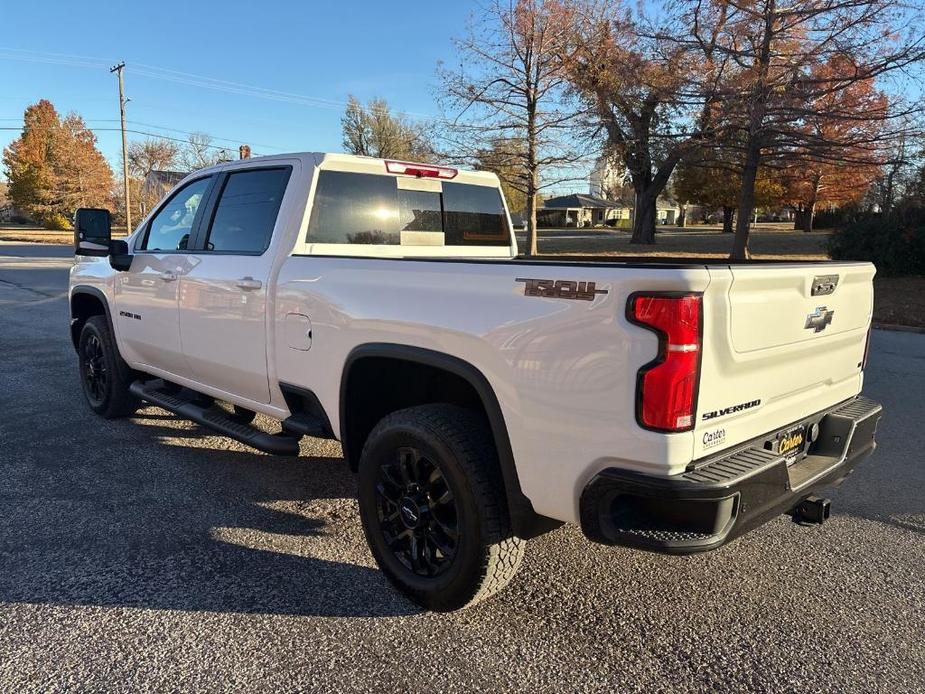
<point>895,243</point>
<point>57,221</point>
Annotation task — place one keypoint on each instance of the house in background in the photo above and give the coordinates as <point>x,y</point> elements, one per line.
<point>579,210</point>
<point>610,201</point>
<point>156,185</point>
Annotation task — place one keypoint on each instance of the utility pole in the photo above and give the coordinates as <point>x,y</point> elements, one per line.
<point>128,209</point>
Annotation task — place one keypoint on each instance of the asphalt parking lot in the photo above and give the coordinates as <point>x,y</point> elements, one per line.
<point>147,555</point>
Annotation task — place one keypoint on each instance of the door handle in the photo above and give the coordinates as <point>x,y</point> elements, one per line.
<point>249,284</point>
<point>168,276</point>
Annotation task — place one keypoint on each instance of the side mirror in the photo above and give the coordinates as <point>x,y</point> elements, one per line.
<point>92,232</point>
<point>119,257</point>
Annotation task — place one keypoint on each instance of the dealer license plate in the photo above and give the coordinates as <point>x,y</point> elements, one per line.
<point>791,442</point>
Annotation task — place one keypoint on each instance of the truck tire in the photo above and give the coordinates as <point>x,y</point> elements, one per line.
<point>104,376</point>
<point>433,507</point>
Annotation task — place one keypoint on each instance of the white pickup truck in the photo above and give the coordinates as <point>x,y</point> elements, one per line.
<point>483,398</point>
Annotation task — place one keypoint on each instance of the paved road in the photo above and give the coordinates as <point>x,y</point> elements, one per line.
<point>146,555</point>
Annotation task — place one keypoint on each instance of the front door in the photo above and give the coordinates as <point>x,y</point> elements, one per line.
<point>147,295</point>
<point>223,298</point>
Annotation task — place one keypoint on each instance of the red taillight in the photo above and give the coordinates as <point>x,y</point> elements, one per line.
<point>667,386</point>
<point>420,170</point>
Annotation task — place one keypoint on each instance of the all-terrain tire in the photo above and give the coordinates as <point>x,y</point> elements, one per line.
<point>104,376</point>
<point>457,443</point>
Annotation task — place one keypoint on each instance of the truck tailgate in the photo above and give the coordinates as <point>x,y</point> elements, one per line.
<point>781,342</point>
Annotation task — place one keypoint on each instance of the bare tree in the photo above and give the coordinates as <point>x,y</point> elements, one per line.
<point>505,158</point>
<point>145,157</point>
<point>777,89</point>
<point>150,155</point>
<point>200,153</point>
<point>509,93</point>
<point>374,131</point>
<point>898,173</point>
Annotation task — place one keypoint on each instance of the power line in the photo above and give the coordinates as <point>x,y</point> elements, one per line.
<point>134,132</point>
<point>202,81</point>
<point>235,141</point>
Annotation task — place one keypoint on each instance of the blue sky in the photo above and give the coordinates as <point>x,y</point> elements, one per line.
<point>320,50</point>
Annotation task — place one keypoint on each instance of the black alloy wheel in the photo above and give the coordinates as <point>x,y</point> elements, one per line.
<point>104,376</point>
<point>417,512</point>
<point>433,506</point>
<point>95,372</point>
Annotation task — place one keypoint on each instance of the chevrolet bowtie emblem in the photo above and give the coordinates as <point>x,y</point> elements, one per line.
<point>819,319</point>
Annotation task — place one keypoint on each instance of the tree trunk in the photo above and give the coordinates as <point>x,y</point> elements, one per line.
<point>682,216</point>
<point>757,113</point>
<point>728,216</point>
<point>533,179</point>
<point>806,218</point>
<point>644,218</point>
<point>746,198</point>
<point>530,220</point>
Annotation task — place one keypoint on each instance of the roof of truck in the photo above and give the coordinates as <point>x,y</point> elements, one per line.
<point>356,162</point>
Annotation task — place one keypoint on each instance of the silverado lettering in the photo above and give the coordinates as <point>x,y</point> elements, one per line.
<point>729,410</point>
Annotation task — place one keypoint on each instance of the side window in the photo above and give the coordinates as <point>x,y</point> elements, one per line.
<point>354,208</point>
<point>246,211</point>
<point>171,227</point>
<point>474,216</point>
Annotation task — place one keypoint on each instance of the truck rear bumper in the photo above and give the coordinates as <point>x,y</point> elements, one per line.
<point>723,497</point>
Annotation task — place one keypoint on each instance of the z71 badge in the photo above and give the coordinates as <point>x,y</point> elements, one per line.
<point>560,289</point>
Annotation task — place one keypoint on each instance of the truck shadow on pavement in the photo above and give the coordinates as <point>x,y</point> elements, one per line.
<point>153,512</point>
<point>137,513</point>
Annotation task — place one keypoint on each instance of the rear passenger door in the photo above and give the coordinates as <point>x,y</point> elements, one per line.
<point>223,299</point>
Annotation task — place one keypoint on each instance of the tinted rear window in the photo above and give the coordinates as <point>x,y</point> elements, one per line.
<point>369,209</point>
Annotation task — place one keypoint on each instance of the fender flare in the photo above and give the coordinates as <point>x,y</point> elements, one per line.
<point>525,522</point>
<point>94,292</point>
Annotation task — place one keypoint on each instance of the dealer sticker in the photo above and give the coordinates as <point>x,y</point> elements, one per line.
<point>714,438</point>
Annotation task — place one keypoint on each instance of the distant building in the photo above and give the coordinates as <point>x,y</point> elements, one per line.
<point>157,184</point>
<point>577,210</point>
<point>607,177</point>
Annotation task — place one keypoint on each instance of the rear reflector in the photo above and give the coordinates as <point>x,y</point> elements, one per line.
<point>666,387</point>
<point>420,170</point>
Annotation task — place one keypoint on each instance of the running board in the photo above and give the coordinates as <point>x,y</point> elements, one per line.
<point>277,444</point>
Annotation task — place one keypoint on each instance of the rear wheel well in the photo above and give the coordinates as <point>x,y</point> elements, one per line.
<point>382,378</point>
<point>377,386</point>
<point>85,305</point>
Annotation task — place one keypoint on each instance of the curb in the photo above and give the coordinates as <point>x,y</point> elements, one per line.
<point>899,328</point>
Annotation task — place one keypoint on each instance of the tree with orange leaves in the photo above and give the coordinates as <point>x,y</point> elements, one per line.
<point>650,95</point>
<point>55,167</point>
<point>835,159</point>
<point>781,101</point>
